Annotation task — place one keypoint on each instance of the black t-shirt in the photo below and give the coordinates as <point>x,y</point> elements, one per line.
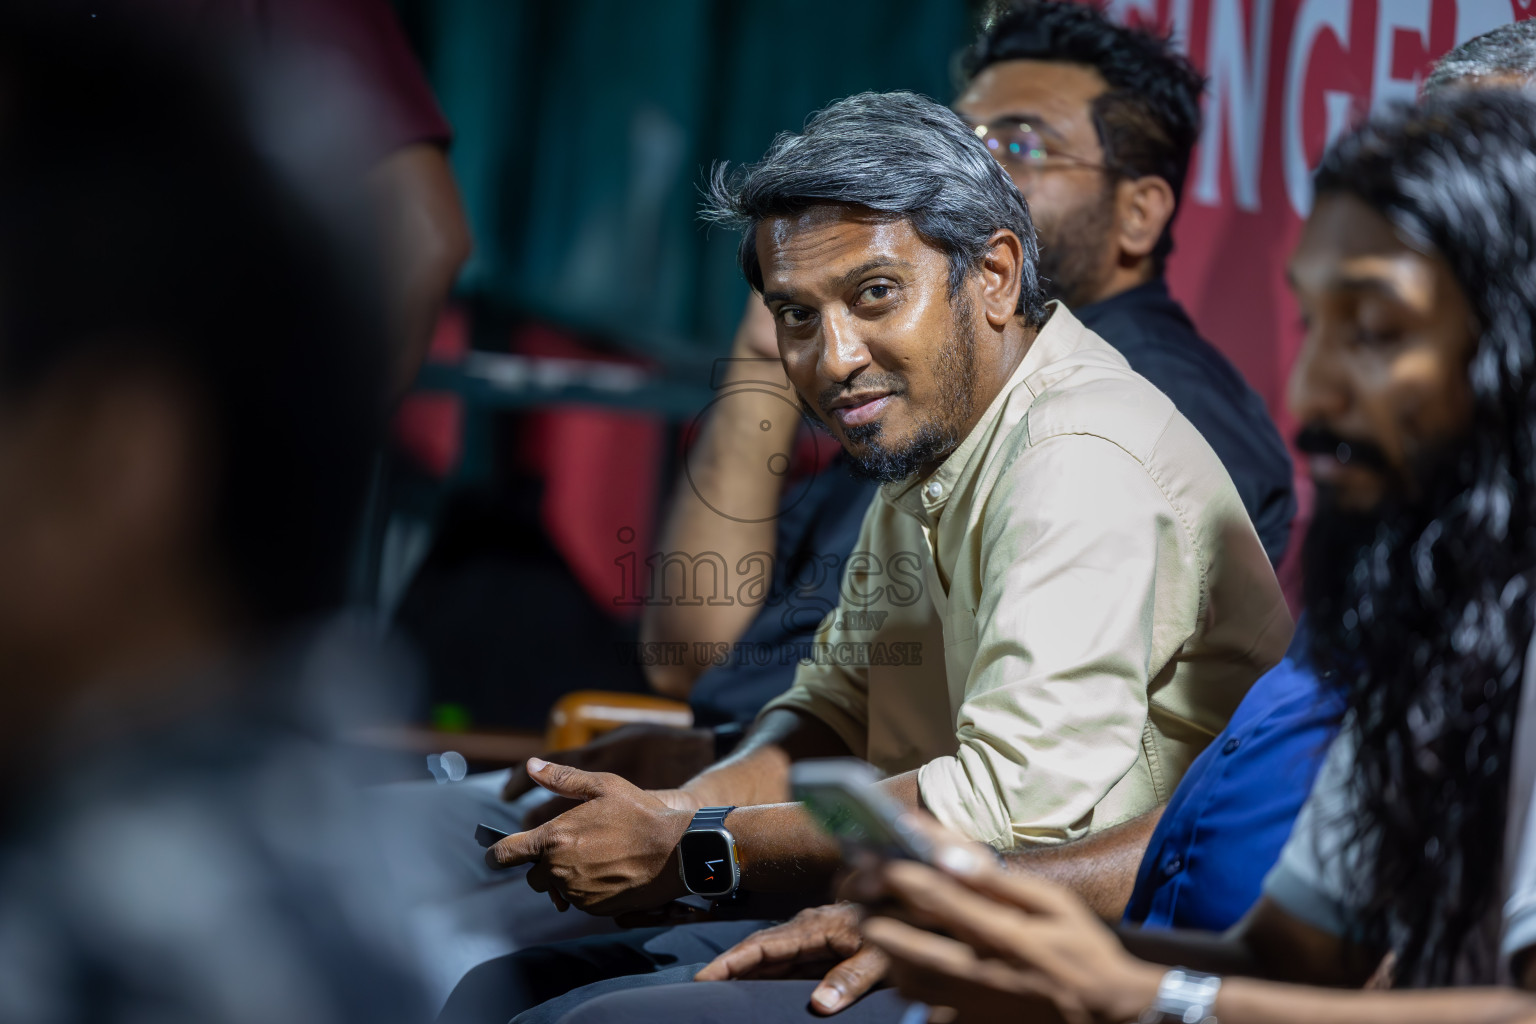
<point>815,532</point>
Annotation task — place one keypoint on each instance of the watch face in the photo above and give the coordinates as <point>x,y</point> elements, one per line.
<point>707,867</point>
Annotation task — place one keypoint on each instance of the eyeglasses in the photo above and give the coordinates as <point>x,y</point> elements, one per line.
<point>1018,147</point>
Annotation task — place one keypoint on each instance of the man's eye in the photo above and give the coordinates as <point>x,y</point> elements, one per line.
<point>1369,337</point>
<point>792,317</point>
<point>876,293</point>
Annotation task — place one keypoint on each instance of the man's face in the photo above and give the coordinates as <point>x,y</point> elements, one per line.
<point>869,337</point>
<point>95,516</point>
<point>1380,385</point>
<point>1071,197</point>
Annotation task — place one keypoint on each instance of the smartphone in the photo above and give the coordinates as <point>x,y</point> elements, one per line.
<point>488,837</point>
<point>842,796</point>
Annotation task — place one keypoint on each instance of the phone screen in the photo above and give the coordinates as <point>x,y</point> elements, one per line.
<point>843,797</point>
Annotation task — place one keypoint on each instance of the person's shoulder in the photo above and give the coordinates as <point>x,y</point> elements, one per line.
<point>1093,391</point>
<point>1289,700</point>
<point>1157,337</point>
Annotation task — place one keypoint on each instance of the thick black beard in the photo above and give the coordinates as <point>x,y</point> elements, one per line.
<point>1069,261</point>
<point>929,444</point>
<point>1420,612</point>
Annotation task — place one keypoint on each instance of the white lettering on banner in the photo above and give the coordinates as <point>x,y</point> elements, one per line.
<point>1315,17</point>
<point>1393,16</point>
<point>1121,10</point>
<point>1239,74</point>
<point>1474,17</point>
<point>1178,24</point>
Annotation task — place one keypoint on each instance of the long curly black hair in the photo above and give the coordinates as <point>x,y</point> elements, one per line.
<point>1427,626</point>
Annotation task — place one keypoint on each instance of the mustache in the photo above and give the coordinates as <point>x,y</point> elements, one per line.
<point>865,382</point>
<point>1318,440</point>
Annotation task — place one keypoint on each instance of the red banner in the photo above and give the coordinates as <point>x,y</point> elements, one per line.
<point>1286,76</point>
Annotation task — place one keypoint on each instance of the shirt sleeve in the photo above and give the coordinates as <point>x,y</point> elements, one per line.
<point>1519,882</point>
<point>1520,908</point>
<point>836,691</point>
<point>1087,572</point>
<point>1311,880</point>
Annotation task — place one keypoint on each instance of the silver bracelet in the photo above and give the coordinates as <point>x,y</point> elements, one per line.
<point>1185,997</point>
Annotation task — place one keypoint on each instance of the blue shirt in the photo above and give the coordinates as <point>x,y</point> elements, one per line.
<point>1225,824</point>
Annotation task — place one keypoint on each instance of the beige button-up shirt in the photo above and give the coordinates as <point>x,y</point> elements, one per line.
<point>1056,622</point>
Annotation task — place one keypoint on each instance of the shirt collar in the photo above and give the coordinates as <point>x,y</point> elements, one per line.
<point>925,497</point>
<point>1152,292</point>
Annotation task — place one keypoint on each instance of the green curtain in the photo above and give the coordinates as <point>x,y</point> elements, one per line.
<point>583,128</point>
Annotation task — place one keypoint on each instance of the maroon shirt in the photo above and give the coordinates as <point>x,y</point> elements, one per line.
<point>366,35</point>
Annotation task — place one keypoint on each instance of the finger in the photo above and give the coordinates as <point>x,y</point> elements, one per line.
<point>941,835</point>
<point>865,886</point>
<point>849,980</point>
<point>547,810</point>
<point>941,971</point>
<point>563,780</point>
<point>975,866</point>
<point>1029,893</point>
<point>517,784</point>
<point>924,966</point>
<point>983,922</point>
<point>734,962</point>
<point>519,848</point>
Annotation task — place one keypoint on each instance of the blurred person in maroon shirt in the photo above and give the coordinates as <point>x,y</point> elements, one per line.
<point>421,221</point>
<point>191,392</point>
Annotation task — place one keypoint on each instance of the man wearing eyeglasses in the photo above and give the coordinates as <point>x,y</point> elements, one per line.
<point>1095,123</point>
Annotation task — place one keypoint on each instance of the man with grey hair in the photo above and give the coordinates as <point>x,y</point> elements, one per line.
<point>1504,57</point>
<point>1056,599</point>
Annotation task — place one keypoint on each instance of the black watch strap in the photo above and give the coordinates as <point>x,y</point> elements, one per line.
<point>710,817</point>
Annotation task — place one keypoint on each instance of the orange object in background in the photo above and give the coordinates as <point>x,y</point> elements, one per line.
<point>580,717</point>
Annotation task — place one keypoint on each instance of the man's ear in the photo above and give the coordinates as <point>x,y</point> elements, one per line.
<point>1002,275</point>
<point>1145,206</point>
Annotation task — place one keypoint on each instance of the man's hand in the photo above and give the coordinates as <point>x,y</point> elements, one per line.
<point>1018,941</point>
<point>614,852</point>
<point>812,938</point>
<point>650,756</point>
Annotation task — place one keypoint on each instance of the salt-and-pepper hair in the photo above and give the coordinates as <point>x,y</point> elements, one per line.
<point>1507,51</point>
<point>894,153</point>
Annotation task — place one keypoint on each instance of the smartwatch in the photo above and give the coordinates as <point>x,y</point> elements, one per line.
<point>707,855</point>
<point>1185,996</point>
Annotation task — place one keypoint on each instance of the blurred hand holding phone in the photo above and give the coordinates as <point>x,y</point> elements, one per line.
<point>843,796</point>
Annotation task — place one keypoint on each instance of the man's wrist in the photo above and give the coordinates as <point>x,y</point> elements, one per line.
<point>1133,993</point>
<point>707,789</point>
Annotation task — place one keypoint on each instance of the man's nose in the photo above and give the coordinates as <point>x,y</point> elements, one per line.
<point>843,351</point>
<point>1317,390</point>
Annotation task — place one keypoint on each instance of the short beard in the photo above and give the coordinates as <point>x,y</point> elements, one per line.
<point>1069,260</point>
<point>955,377</point>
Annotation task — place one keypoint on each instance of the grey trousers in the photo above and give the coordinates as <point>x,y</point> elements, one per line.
<point>643,972</point>
<point>739,1002</point>
<point>463,912</point>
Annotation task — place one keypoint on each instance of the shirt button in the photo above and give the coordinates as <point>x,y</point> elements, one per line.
<point>1231,745</point>
<point>1172,865</point>
<point>934,489</point>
